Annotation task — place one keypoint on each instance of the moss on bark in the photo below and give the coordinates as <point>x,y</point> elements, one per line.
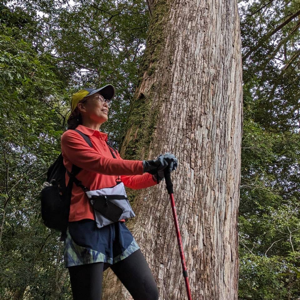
<point>143,115</point>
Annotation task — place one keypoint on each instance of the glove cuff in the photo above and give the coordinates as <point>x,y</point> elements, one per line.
<point>157,178</point>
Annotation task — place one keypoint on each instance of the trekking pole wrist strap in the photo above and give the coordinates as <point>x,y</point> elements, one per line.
<point>169,181</point>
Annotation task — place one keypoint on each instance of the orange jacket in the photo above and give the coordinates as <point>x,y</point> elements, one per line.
<point>99,169</point>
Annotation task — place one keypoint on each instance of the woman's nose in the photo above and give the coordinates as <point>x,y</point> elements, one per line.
<point>106,104</point>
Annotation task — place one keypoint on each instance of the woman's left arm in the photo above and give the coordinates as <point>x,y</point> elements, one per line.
<point>138,181</point>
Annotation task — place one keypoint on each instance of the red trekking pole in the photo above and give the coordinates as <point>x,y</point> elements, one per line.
<point>170,192</point>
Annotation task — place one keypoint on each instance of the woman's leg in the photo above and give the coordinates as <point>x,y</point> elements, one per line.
<point>86,281</point>
<point>136,276</point>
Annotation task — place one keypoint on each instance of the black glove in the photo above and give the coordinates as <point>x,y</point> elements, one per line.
<point>168,160</point>
<point>153,166</point>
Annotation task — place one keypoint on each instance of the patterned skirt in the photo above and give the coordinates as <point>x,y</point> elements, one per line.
<point>87,244</point>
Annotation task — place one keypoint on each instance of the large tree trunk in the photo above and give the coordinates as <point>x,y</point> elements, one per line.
<point>189,102</point>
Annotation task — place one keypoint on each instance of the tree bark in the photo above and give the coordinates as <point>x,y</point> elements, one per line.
<point>189,102</point>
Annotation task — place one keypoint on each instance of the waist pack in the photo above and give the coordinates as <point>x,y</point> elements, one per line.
<point>110,205</point>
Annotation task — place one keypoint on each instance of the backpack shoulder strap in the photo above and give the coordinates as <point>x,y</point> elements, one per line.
<point>86,137</point>
<point>75,169</point>
<point>72,179</point>
<point>112,150</point>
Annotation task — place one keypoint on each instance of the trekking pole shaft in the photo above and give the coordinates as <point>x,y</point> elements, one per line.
<point>184,268</point>
<point>170,191</point>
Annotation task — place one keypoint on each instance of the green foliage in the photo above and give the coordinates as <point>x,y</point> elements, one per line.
<point>30,127</point>
<point>101,42</point>
<point>269,219</point>
<point>270,35</point>
<point>268,278</point>
<point>49,49</point>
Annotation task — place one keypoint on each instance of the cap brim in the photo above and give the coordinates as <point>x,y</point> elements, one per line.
<point>107,92</point>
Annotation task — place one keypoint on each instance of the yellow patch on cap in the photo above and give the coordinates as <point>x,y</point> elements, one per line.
<point>77,97</point>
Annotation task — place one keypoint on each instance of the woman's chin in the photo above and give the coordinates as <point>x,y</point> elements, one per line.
<point>101,119</point>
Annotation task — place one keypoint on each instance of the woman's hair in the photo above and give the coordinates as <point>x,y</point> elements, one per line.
<point>75,117</point>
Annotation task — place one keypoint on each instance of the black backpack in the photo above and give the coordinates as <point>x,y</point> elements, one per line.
<point>56,196</point>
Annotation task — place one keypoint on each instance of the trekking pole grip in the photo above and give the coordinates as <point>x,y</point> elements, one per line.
<point>169,181</point>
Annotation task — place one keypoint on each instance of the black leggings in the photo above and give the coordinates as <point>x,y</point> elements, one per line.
<point>133,271</point>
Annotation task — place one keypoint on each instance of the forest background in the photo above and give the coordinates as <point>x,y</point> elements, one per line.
<point>49,49</point>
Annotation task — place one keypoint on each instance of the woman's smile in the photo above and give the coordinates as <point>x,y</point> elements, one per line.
<point>105,111</point>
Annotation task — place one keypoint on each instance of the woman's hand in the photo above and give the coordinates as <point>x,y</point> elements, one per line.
<point>171,160</point>
<point>158,166</point>
<point>153,166</point>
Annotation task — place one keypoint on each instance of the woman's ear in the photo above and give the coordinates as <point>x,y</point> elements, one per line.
<point>81,107</point>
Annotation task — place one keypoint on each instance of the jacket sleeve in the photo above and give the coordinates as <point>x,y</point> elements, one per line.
<point>138,181</point>
<point>82,155</point>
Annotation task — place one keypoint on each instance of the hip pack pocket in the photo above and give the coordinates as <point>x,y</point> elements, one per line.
<point>110,205</point>
<point>107,208</point>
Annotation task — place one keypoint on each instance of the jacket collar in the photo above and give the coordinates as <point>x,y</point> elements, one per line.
<point>91,132</point>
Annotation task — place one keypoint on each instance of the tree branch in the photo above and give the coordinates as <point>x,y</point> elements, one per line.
<point>294,30</point>
<point>275,51</point>
<point>6,191</point>
<point>247,247</point>
<point>271,246</point>
<point>261,8</point>
<point>150,6</point>
<point>267,36</point>
<point>295,56</point>
<point>290,238</point>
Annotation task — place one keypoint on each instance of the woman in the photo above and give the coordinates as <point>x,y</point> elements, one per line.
<point>89,250</point>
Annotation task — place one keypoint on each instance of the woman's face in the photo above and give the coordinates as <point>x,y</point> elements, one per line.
<point>94,109</point>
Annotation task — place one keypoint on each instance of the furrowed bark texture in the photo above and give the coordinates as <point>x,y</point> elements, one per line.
<point>189,102</point>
